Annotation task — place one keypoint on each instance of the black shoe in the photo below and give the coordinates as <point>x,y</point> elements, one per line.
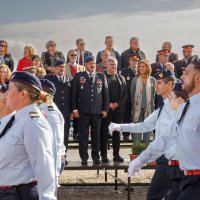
<point>75,137</point>
<point>118,159</point>
<point>96,162</point>
<point>84,162</point>
<point>104,159</point>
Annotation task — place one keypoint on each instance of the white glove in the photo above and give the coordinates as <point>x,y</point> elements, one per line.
<point>114,127</point>
<point>134,166</point>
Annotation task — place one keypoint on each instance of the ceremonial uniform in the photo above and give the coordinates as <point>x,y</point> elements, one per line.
<point>62,99</point>
<point>89,97</point>
<point>156,67</point>
<point>25,153</point>
<point>56,121</point>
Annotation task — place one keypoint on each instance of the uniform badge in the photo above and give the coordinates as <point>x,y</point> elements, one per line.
<point>82,79</point>
<point>81,87</point>
<point>34,114</point>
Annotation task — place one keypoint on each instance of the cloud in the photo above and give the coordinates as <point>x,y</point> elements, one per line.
<point>153,28</point>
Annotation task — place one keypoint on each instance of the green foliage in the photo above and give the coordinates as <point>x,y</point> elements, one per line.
<point>138,148</point>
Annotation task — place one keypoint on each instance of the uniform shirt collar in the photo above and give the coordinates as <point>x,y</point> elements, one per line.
<point>194,99</point>
<point>6,118</point>
<point>27,109</point>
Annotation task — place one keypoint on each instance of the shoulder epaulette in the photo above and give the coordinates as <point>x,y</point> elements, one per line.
<point>34,114</point>
<point>50,108</point>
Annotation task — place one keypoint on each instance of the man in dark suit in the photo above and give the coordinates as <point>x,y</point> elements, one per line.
<point>117,99</point>
<point>82,54</point>
<point>129,73</point>
<point>180,65</point>
<point>163,56</point>
<point>89,104</point>
<point>62,95</point>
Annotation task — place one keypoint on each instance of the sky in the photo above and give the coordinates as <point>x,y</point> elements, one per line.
<point>28,22</point>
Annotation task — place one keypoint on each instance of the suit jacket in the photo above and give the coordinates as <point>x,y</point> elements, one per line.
<point>179,67</point>
<point>8,60</point>
<point>156,67</point>
<point>79,68</point>
<point>123,93</point>
<point>86,54</point>
<point>90,96</point>
<point>62,95</point>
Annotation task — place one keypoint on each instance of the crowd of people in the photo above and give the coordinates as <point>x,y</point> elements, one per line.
<point>100,98</point>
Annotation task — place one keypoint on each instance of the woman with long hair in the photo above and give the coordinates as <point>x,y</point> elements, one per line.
<point>142,97</point>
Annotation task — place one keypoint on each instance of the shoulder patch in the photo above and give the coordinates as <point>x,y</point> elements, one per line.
<point>50,108</point>
<point>34,114</point>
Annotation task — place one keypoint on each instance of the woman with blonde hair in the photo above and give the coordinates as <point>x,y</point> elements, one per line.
<point>26,61</point>
<point>142,97</point>
<point>5,74</point>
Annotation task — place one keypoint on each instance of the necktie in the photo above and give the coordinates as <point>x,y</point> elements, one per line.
<point>81,59</point>
<point>184,111</point>
<point>8,125</point>
<point>161,107</point>
<point>91,77</point>
<point>61,80</point>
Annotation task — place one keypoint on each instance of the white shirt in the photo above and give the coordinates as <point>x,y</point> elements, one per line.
<point>26,153</point>
<point>152,121</point>
<point>56,121</point>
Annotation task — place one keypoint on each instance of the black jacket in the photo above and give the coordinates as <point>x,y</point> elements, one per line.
<point>123,93</point>
<point>179,67</point>
<point>90,97</point>
<point>156,67</point>
<point>62,96</point>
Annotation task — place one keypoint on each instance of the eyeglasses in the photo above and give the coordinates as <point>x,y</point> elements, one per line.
<point>1,45</point>
<point>73,55</point>
<point>82,44</point>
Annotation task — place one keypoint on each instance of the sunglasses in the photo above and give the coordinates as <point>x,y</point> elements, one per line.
<point>73,55</point>
<point>1,45</point>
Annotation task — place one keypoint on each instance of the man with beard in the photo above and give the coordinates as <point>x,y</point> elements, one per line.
<point>180,65</point>
<point>185,131</point>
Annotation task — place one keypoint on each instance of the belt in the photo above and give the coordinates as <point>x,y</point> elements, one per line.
<point>13,186</point>
<point>173,163</point>
<point>191,172</point>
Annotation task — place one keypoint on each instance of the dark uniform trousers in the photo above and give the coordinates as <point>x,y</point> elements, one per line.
<point>190,188</point>
<point>21,192</point>
<point>175,178</point>
<point>159,185</point>
<point>84,122</point>
<point>111,117</point>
